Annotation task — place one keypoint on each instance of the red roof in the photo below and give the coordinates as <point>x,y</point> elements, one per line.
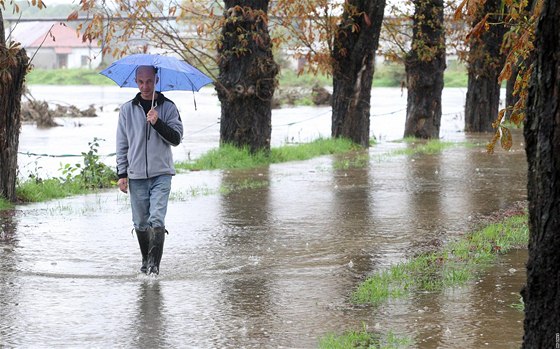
<point>64,37</point>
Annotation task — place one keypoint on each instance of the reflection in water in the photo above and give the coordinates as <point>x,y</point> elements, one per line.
<point>8,263</point>
<point>424,181</point>
<point>150,325</point>
<point>248,236</point>
<point>351,217</point>
<point>423,205</point>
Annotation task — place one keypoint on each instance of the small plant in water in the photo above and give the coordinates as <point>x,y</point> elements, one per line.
<point>93,173</point>
<point>519,305</point>
<point>76,179</point>
<point>364,340</point>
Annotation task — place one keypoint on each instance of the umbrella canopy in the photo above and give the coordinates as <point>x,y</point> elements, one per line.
<point>173,73</point>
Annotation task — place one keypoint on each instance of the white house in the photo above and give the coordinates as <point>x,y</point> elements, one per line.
<point>55,45</point>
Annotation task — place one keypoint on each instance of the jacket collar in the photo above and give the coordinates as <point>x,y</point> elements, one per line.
<point>160,98</point>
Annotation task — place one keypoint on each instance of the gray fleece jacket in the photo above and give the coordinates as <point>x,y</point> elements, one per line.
<point>143,149</point>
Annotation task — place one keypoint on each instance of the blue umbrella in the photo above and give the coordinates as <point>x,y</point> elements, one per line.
<point>173,73</point>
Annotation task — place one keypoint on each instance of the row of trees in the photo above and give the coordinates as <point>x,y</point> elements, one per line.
<point>339,38</point>
<point>233,41</point>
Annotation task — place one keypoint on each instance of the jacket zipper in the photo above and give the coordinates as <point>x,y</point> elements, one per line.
<point>146,149</point>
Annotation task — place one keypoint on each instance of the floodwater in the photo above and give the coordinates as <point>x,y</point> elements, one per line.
<point>269,266</point>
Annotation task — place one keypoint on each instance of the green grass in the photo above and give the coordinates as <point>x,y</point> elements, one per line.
<point>290,78</point>
<point>66,77</point>
<point>231,157</point>
<point>458,263</point>
<point>42,190</point>
<point>389,75</point>
<point>455,78</point>
<point>520,305</point>
<point>364,340</point>
<point>455,75</point>
<point>416,146</point>
<point>386,75</point>
<point>5,204</point>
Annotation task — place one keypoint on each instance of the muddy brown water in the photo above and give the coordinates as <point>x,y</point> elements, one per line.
<point>267,267</point>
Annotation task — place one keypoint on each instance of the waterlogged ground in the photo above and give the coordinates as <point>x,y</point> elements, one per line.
<point>264,258</point>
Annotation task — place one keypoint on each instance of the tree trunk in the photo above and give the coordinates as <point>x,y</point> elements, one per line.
<point>425,65</point>
<point>542,137</point>
<point>247,77</point>
<point>13,66</point>
<point>484,65</point>
<point>353,67</point>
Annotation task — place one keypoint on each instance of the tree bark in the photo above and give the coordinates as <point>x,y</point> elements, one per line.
<point>353,67</point>
<point>425,65</point>
<point>247,77</point>
<point>485,62</point>
<point>13,67</point>
<point>542,137</point>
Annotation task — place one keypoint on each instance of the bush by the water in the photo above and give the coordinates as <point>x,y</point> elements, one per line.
<point>79,178</point>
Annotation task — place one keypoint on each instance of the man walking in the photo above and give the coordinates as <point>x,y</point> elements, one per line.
<point>148,126</point>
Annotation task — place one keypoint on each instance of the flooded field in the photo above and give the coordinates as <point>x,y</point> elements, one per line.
<point>267,267</point>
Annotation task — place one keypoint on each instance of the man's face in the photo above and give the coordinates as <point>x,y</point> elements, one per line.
<point>146,80</point>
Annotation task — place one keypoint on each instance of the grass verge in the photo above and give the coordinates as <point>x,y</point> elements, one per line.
<point>230,157</point>
<point>455,265</point>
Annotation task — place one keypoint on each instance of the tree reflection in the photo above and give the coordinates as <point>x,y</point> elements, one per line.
<point>248,237</point>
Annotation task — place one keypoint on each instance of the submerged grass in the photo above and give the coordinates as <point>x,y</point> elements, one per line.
<point>520,305</point>
<point>364,340</point>
<point>416,146</point>
<point>455,265</point>
<point>193,192</point>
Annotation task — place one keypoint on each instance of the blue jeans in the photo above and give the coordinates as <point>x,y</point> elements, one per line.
<point>148,199</point>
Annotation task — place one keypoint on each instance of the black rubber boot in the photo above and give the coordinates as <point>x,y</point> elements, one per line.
<point>157,238</point>
<point>144,242</point>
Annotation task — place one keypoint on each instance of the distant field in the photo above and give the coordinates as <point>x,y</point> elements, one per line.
<point>386,75</point>
<point>67,77</point>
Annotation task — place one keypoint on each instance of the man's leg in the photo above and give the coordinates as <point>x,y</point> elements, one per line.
<point>140,203</point>
<point>159,197</point>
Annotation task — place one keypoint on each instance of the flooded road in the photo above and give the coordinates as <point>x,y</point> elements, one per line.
<point>269,266</point>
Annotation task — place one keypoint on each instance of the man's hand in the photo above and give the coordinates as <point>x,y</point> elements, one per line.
<point>123,185</point>
<point>152,116</point>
